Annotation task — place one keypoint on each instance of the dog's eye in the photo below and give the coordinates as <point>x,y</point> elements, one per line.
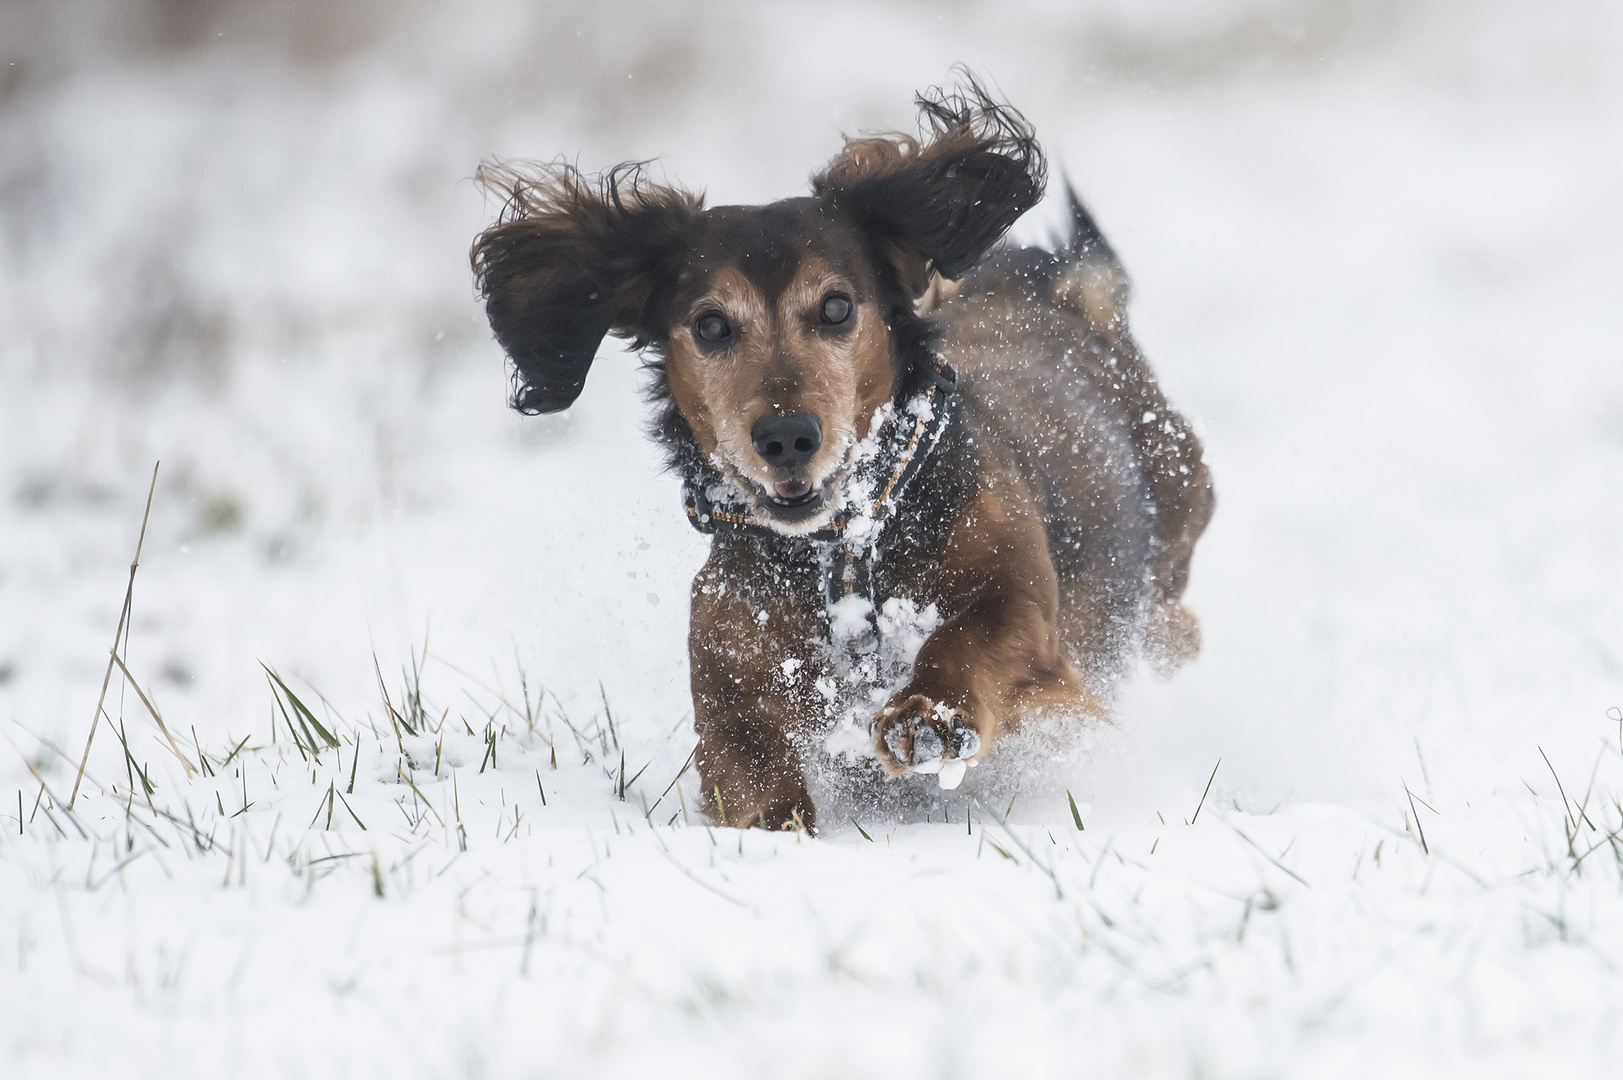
<point>712,328</point>
<point>837,308</point>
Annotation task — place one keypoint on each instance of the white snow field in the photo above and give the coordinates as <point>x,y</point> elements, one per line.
<point>1376,255</point>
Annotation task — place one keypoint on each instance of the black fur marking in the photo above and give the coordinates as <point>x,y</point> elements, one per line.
<point>949,199</point>
<point>569,260</point>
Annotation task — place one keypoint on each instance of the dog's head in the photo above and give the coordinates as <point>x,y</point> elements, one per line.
<point>781,330</point>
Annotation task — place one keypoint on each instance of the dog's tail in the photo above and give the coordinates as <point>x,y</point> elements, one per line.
<point>1091,279</point>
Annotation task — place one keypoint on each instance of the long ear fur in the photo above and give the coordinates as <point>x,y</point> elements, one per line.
<point>569,260</point>
<point>940,203</point>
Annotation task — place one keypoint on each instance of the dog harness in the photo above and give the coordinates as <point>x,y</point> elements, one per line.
<point>848,545</point>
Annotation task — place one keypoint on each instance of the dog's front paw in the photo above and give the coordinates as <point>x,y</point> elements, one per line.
<point>918,734</point>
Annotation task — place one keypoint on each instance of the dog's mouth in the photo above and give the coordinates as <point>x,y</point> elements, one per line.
<point>795,500</point>
<point>792,492</point>
<point>793,503</point>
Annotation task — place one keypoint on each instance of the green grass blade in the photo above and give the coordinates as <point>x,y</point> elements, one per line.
<point>1076,815</point>
<point>305,715</point>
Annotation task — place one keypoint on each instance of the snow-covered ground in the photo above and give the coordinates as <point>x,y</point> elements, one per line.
<point>1375,249</point>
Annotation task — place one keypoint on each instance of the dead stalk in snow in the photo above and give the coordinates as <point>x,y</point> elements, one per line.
<point>1423,845</point>
<point>1208,790</point>
<point>1264,852</point>
<point>123,621</point>
<point>153,711</point>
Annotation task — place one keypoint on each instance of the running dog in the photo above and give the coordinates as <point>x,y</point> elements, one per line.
<point>893,426</point>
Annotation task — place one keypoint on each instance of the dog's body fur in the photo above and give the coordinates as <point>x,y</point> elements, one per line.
<point>1053,523</point>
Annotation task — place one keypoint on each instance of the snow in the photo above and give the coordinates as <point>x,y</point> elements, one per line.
<point>1374,253</point>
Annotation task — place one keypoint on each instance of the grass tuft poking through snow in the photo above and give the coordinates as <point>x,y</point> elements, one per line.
<point>436,855</point>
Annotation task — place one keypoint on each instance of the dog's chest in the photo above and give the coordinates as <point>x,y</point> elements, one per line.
<point>852,625</point>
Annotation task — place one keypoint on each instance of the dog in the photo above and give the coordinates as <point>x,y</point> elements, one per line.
<point>942,484</point>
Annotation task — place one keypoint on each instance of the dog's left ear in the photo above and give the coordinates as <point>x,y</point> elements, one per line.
<point>939,203</point>
<point>571,259</point>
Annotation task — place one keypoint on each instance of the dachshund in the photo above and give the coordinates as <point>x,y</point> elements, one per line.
<point>942,485</point>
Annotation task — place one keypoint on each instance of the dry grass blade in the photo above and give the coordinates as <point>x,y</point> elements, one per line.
<point>394,714</point>
<point>1565,802</point>
<point>674,779</point>
<point>123,620</point>
<point>1208,790</point>
<point>1425,847</point>
<point>1609,838</point>
<point>235,750</point>
<point>418,792</point>
<point>1264,852</point>
<point>608,714</point>
<point>153,711</point>
<point>691,876</point>
<point>352,813</point>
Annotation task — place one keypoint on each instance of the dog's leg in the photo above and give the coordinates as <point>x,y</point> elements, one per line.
<point>754,658</point>
<point>998,655</point>
<point>751,773</point>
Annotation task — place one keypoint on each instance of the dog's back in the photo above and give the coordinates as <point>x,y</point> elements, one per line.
<point>1055,385</point>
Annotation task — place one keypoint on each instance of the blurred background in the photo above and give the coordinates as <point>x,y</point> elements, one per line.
<point>1375,250</point>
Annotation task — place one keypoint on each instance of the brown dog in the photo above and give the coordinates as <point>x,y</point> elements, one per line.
<point>941,483</point>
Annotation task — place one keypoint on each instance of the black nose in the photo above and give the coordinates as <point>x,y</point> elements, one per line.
<point>787,441</point>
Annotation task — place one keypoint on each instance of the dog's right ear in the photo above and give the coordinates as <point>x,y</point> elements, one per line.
<point>569,260</point>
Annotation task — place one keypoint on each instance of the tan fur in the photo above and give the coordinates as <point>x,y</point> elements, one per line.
<point>1001,653</point>
<point>751,718</point>
<point>939,291</point>
<point>1098,289</point>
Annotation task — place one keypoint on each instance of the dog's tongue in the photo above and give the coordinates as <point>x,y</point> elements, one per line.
<point>791,489</point>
